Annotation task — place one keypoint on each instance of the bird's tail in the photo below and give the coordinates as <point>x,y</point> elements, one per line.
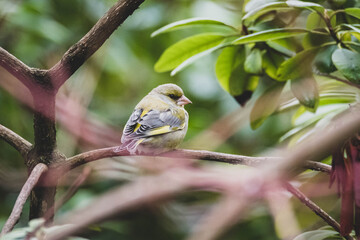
<point>130,146</point>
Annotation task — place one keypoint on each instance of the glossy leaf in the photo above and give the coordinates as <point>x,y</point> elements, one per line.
<point>271,34</point>
<point>323,62</point>
<point>192,22</point>
<point>312,40</point>
<point>262,9</point>
<point>314,21</point>
<point>232,76</point>
<point>253,62</point>
<point>265,105</point>
<point>186,48</point>
<point>354,12</point>
<point>319,235</point>
<point>348,63</point>
<point>227,61</point>
<point>297,66</point>
<point>306,91</point>
<point>271,61</point>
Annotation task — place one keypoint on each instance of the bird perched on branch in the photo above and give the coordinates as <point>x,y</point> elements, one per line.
<point>158,123</point>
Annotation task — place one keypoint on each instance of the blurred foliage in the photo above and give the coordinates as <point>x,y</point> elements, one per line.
<point>257,50</point>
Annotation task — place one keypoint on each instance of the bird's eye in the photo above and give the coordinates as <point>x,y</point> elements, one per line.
<point>173,96</point>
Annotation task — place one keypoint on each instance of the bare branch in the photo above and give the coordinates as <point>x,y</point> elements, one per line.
<point>318,166</point>
<point>92,41</point>
<point>21,199</point>
<point>17,68</point>
<point>20,144</point>
<point>94,155</point>
<point>315,208</point>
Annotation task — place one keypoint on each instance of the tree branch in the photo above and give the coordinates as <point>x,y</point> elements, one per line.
<point>92,41</point>
<point>20,144</point>
<point>94,155</point>
<point>21,199</point>
<point>315,208</point>
<point>17,68</point>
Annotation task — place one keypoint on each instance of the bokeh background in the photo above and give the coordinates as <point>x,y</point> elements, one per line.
<point>96,102</point>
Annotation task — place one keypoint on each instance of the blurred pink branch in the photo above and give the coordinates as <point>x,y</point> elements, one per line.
<point>20,144</point>
<point>143,191</point>
<point>70,192</point>
<point>30,183</point>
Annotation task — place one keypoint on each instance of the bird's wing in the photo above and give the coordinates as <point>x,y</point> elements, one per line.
<point>143,124</point>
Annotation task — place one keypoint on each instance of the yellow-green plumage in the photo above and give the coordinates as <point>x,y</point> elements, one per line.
<point>159,121</point>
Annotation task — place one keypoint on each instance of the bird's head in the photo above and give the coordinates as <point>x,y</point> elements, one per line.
<point>172,93</point>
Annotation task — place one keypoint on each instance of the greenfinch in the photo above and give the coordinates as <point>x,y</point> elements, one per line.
<point>158,123</point>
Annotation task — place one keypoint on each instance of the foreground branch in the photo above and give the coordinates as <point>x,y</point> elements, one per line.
<point>142,192</point>
<point>21,199</point>
<point>20,144</point>
<point>92,41</point>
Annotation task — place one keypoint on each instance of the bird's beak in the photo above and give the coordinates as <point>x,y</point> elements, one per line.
<point>183,101</point>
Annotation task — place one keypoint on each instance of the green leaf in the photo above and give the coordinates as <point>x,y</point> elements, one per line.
<point>271,34</point>
<point>265,105</point>
<point>271,62</point>
<point>355,12</point>
<point>280,6</point>
<point>323,62</point>
<point>348,63</point>
<point>319,235</point>
<point>253,62</point>
<point>186,48</point>
<point>306,91</point>
<point>288,47</point>
<point>311,40</point>
<point>314,21</point>
<point>297,66</point>
<point>232,76</point>
<point>227,61</point>
<point>308,5</point>
<point>191,23</point>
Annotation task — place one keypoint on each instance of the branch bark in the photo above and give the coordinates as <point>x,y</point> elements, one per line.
<point>17,68</point>
<point>21,199</point>
<point>315,208</point>
<point>44,84</point>
<point>16,141</point>
<point>92,41</point>
<point>98,154</point>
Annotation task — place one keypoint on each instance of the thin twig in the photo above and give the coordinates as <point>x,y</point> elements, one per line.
<point>21,199</point>
<point>315,208</point>
<point>92,41</point>
<point>17,68</point>
<point>20,144</point>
